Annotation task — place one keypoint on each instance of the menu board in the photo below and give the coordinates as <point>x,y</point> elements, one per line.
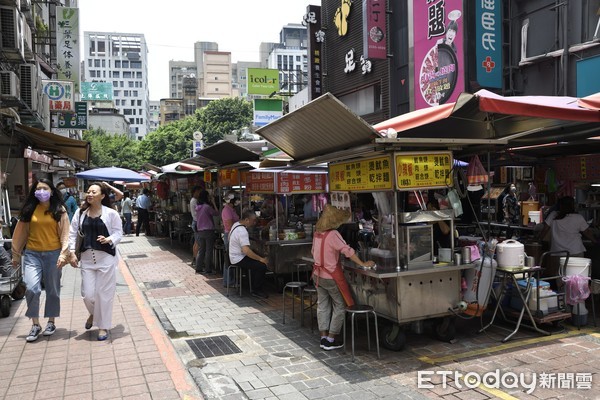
<point>361,175</point>
<point>423,170</point>
<point>229,177</point>
<point>288,183</point>
<point>260,182</point>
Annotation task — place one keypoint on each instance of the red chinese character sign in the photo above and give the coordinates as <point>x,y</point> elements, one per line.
<point>229,177</point>
<point>438,51</point>
<point>288,183</point>
<point>423,170</point>
<point>260,182</point>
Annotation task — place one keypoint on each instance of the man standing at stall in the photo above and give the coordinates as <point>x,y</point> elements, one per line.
<point>144,204</point>
<point>333,292</point>
<point>242,255</point>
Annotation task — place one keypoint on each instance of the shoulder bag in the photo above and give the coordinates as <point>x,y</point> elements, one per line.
<point>79,240</point>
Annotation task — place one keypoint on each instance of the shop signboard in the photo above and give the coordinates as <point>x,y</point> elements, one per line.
<point>96,91</point>
<point>290,183</point>
<point>260,182</point>
<point>263,81</point>
<point>428,170</point>
<point>229,177</point>
<point>438,52</point>
<point>361,175</point>
<point>267,110</point>
<point>67,45</point>
<point>69,120</point>
<point>488,43</point>
<point>316,37</point>
<point>374,29</point>
<point>60,95</point>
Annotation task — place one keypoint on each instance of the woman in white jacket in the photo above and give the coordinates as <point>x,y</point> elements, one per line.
<point>102,229</point>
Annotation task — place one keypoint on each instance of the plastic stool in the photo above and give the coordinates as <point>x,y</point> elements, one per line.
<point>362,309</point>
<point>299,264</point>
<point>292,286</point>
<point>310,291</point>
<point>238,277</point>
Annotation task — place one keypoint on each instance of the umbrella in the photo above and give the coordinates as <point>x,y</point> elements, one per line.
<point>112,174</point>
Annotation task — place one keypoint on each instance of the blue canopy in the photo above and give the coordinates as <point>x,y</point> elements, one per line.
<point>112,174</point>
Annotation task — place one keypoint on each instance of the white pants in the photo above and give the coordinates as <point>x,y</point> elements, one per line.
<point>98,285</point>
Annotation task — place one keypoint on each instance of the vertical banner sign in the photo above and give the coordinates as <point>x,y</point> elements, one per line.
<point>67,45</point>
<point>267,110</point>
<point>374,29</point>
<point>488,32</point>
<point>69,120</point>
<point>438,51</point>
<point>316,37</point>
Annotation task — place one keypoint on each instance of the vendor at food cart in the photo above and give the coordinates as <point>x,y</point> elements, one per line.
<point>332,289</point>
<point>309,208</point>
<point>442,237</point>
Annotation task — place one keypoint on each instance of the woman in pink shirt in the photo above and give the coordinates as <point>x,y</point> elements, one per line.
<point>332,289</point>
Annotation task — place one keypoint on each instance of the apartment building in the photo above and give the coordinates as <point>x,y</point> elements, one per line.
<point>122,59</point>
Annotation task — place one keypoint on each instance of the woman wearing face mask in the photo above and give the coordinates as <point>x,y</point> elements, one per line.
<point>229,217</point>
<point>43,229</point>
<point>102,229</point>
<point>70,202</point>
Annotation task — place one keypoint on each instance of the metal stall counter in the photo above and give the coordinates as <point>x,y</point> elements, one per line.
<point>287,204</point>
<point>408,285</point>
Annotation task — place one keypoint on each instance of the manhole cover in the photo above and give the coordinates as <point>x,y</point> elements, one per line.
<point>213,346</point>
<point>158,285</point>
<point>137,256</point>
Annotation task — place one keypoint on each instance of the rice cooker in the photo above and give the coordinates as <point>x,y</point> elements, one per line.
<point>510,253</point>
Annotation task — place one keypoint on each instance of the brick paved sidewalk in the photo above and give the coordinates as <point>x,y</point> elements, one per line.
<point>73,364</point>
<point>269,360</point>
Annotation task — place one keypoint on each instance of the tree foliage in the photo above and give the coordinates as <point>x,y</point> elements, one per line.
<point>172,142</point>
<point>108,150</point>
<point>169,143</point>
<point>222,116</point>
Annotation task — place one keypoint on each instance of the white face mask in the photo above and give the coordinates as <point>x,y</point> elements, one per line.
<point>63,191</point>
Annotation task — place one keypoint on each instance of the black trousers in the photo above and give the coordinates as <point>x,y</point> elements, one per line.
<point>143,218</point>
<point>258,272</point>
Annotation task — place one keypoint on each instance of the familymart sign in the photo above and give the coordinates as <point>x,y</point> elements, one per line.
<point>267,110</point>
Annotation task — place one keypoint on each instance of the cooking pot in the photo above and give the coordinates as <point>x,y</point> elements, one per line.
<point>510,253</point>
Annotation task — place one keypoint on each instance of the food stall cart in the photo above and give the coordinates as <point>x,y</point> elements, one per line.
<point>407,286</point>
<point>288,237</point>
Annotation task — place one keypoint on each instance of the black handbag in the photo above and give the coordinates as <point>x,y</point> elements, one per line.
<point>79,240</point>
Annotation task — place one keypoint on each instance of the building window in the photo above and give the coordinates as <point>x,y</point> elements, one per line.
<point>116,74</point>
<point>127,111</point>
<point>138,75</point>
<point>115,83</point>
<point>127,74</point>
<point>139,103</point>
<point>116,93</point>
<point>90,62</point>
<point>135,93</point>
<point>132,121</point>
<point>136,65</point>
<point>92,73</point>
<point>130,83</point>
<point>365,101</point>
<point>132,103</point>
<point>117,63</point>
<point>122,84</point>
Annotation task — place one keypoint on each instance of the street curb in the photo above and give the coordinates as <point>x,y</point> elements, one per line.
<point>183,382</point>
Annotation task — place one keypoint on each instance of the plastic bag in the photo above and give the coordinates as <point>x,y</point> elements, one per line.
<point>578,288</point>
<point>455,202</point>
<point>476,174</point>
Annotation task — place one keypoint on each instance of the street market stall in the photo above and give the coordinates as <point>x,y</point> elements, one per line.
<point>288,203</point>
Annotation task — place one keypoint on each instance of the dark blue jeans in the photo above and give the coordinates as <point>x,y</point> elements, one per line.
<point>127,227</point>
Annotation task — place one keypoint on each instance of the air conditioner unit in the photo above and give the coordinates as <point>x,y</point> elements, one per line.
<point>27,38</point>
<point>11,26</point>
<point>9,84</point>
<point>29,85</point>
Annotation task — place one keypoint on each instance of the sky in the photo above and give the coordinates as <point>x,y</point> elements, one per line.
<point>172,27</point>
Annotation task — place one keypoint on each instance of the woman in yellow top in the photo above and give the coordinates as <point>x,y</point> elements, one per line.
<point>43,231</point>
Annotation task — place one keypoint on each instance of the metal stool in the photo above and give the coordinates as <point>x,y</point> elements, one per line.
<point>594,290</point>
<point>300,264</point>
<point>238,277</point>
<point>292,286</point>
<point>310,291</point>
<point>218,257</point>
<point>362,309</point>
